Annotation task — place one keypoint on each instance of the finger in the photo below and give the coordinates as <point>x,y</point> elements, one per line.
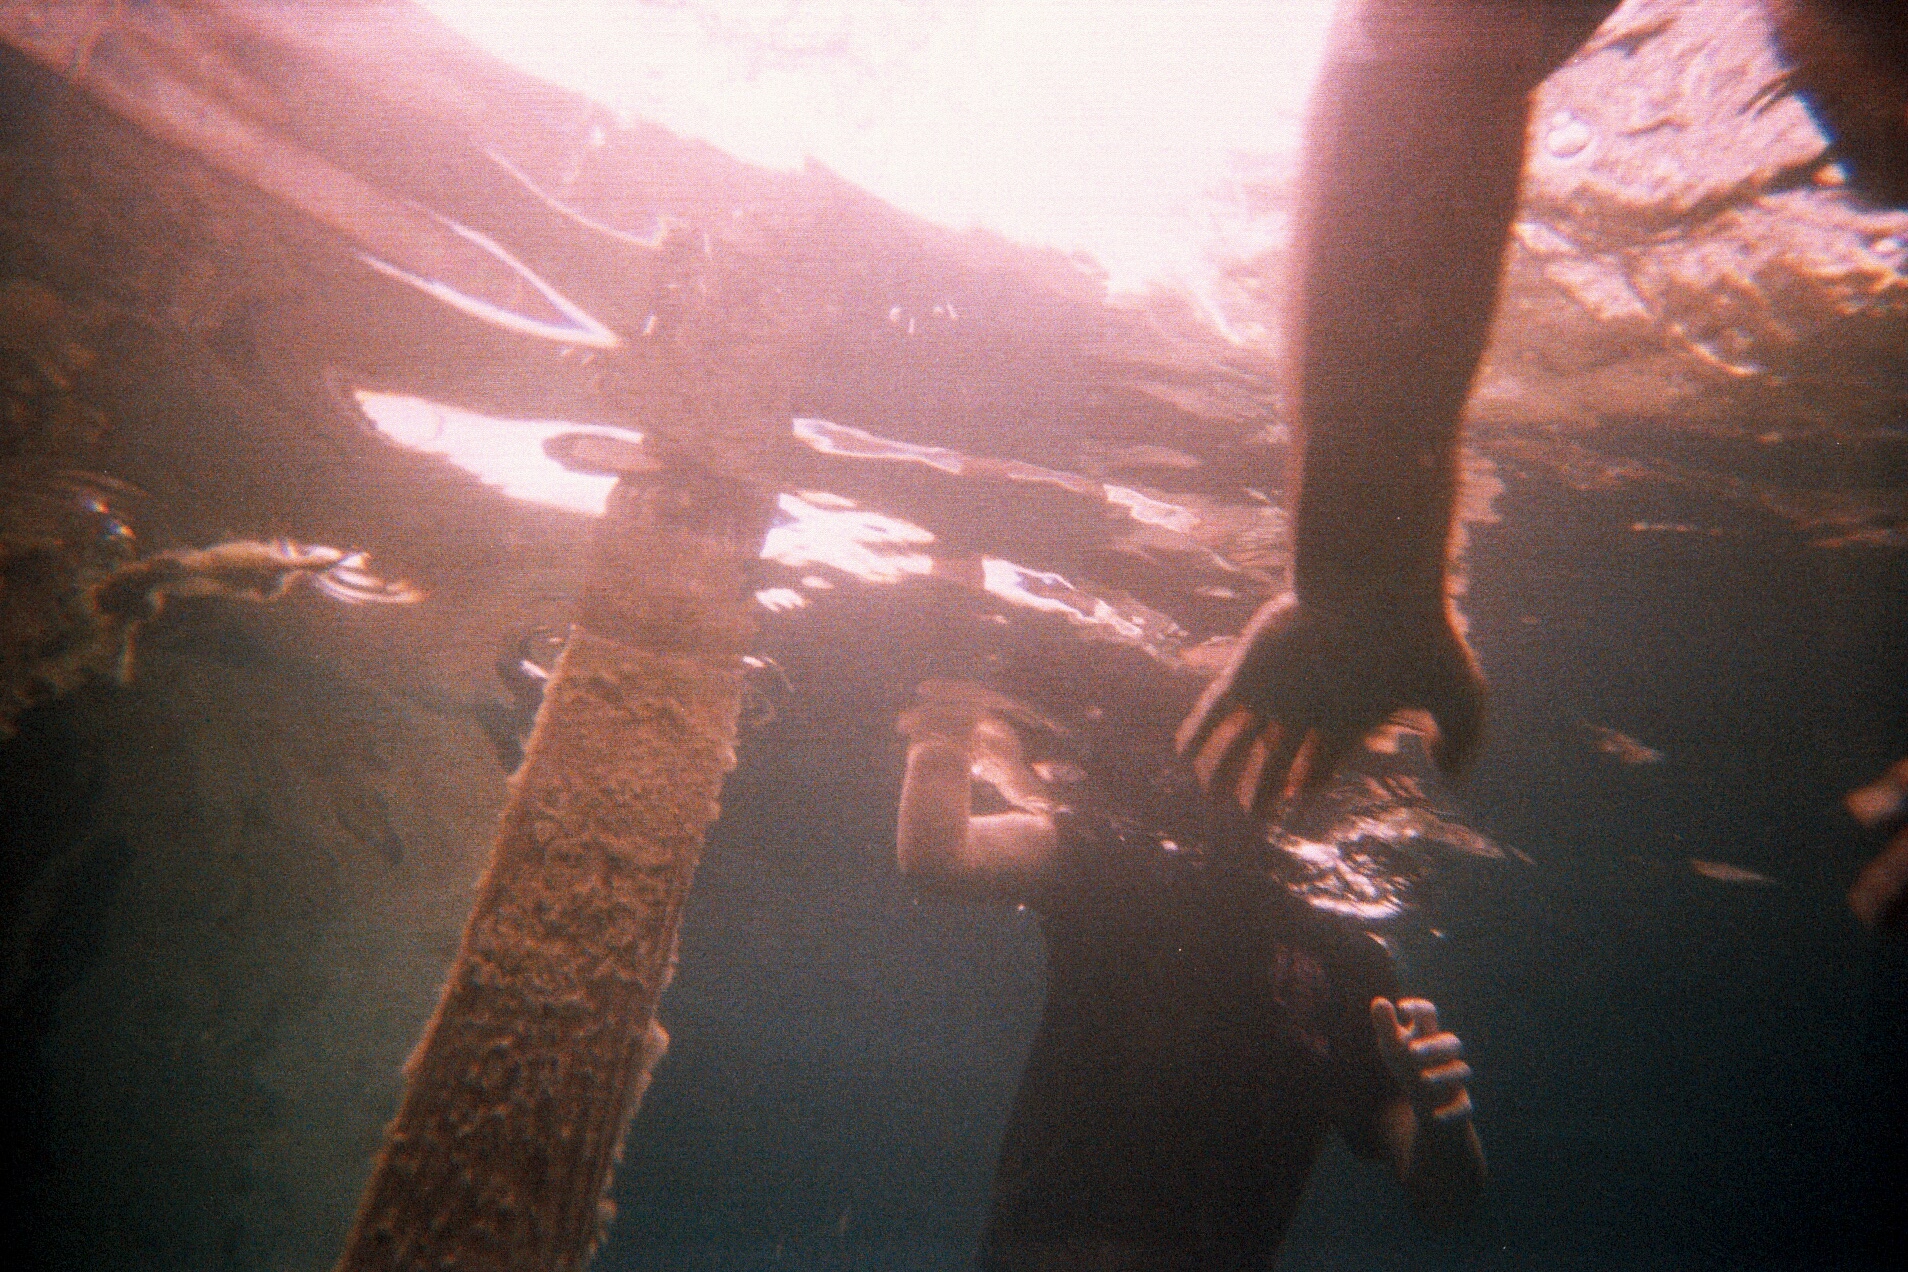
<point>1216,758</point>
<point>1384,1022</point>
<point>1444,1079</point>
<point>1415,720</point>
<point>1267,794</point>
<point>1391,1039</point>
<point>1460,728</point>
<point>1246,789</point>
<point>1324,761</point>
<point>997,736</point>
<point>1316,764</point>
<point>1422,1015</point>
<point>1245,770</point>
<point>920,726</point>
<point>1212,708</point>
<point>1246,666</point>
<point>1456,1109</point>
<point>1882,804</point>
<point>1440,1048</point>
<point>1441,1093</point>
<point>1299,775</point>
<point>1880,895</point>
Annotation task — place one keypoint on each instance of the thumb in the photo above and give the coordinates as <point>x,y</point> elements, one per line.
<point>1384,1024</point>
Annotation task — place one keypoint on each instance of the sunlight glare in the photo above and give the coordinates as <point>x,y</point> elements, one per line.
<point>1100,127</point>
<point>506,454</point>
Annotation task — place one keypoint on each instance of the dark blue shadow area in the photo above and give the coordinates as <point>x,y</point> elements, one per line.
<point>1673,1072</point>
<point>842,1058</point>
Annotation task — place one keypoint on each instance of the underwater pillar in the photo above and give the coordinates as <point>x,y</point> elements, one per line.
<point>518,1096</point>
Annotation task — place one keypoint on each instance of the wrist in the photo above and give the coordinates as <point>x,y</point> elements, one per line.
<point>1361,608</point>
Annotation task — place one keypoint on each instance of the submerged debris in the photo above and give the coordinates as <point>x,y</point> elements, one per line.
<point>73,595</point>
<point>1723,872</point>
<point>1621,746</point>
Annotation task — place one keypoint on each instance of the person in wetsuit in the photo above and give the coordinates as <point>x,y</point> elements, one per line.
<point>1204,1029</point>
<point>1412,160</point>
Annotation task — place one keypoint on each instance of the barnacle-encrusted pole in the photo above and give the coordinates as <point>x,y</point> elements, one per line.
<point>517,1098</point>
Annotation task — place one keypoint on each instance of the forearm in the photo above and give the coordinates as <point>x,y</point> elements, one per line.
<point>1413,157</point>
<point>1447,1171</point>
<point>936,800</point>
<point>1442,1169</point>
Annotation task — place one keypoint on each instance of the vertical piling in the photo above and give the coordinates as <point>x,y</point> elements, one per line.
<point>518,1096</point>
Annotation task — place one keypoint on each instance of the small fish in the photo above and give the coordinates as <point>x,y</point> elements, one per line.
<point>1722,872</point>
<point>1621,746</point>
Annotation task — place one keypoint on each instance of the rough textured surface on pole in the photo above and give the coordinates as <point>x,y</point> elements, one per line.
<point>517,1098</point>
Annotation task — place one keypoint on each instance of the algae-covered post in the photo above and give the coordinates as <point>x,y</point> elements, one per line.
<point>517,1099</point>
<point>385,136</point>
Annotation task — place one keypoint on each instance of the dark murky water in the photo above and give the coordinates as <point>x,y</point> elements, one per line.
<point>1673,1071</point>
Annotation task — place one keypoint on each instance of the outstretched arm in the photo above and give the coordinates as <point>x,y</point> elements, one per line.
<point>1413,155</point>
<point>1429,1136</point>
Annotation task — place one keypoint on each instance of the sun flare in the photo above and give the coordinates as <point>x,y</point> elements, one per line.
<point>1094,127</point>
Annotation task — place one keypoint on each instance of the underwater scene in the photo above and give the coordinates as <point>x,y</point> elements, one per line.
<point>595,674</point>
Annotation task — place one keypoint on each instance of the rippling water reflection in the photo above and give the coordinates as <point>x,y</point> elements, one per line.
<point>242,875</point>
<point>1364,856</point>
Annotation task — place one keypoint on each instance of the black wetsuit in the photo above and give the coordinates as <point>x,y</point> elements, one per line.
<point>1203,1031</point>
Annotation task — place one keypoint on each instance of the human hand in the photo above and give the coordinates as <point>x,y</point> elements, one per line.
<point>936,722</point>
<point>945,711</point>
<point>1427,1061</point>
<point>1306,686</point>
<point>1880,895</point>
